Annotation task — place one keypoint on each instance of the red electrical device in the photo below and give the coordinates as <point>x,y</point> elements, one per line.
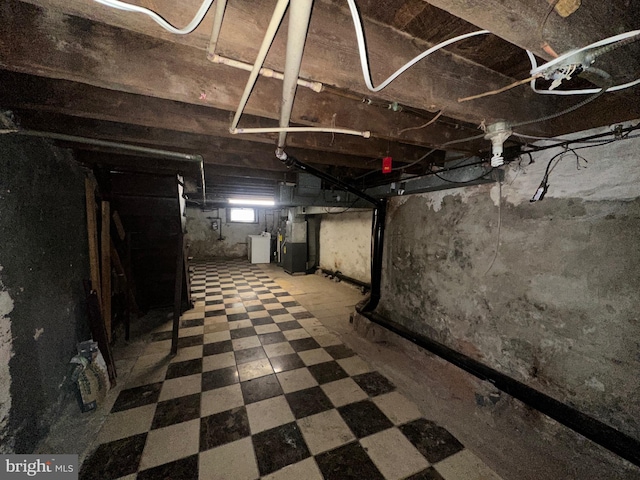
<point>386,164</point>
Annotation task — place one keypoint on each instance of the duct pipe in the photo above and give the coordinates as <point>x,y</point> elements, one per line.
<point>299,16</point>
<point>187,157</point>
<point>377,232</point>
<point>270,34</point>
<point>295,163</point>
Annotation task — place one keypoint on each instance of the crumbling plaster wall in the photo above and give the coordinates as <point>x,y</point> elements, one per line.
<point>345,244</point>
<point>44,259</point>
<point>205,242</point>
<point>559,307</point>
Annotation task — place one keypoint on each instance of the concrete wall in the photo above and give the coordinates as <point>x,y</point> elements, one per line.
<point>558,309</point>
<point>345,244</point>
<point>43,260</point>
<point>6,352</point>
<point>205,242</point>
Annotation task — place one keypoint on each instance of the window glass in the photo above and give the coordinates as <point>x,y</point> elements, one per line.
<point>242,215</point>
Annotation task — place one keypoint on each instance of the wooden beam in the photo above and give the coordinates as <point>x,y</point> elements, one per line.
<point>21,91</point>
<point>74,48</point>
<point>129,285</point>
<point>179,272</point>
<point>215,150</point>
<point>106,267</point>
<point>118,223</point>
<point>532,26</point>
<point>92,234</point>
<point>133,164</point>
<point>520,21</point>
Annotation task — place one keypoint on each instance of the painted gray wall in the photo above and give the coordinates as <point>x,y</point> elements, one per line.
<point>204,241</point>
<point>43,260</point>
<point>345,244</point>
<point>558,309</point>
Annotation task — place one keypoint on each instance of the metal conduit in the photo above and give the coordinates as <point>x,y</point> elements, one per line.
<point>185,157</point>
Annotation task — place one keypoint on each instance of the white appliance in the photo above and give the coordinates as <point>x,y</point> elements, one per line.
<point>259,248</point>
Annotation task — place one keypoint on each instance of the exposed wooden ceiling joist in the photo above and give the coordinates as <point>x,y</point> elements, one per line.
<point>78,67</point>
<point>532,24</point>
<point>536,26</point>
<point>29,92</point>
<point>133,163</point>
<point>215,150</point>
<point>154,63</point>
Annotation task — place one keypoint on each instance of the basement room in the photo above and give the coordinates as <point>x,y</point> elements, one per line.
<point>330,239</point>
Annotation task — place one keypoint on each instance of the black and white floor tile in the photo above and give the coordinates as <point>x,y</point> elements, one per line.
<point>261,389</point>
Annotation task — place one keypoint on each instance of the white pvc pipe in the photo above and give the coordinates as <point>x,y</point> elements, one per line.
<point>269,35</point>
<point>218,15</point>
<point>299,16</point>
<point>365,134</point>
<point>364,62</point>
<point>265,72</point>
<point>193,24</point>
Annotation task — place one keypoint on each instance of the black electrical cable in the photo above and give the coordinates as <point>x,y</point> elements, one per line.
<point>566,110</point>
<point>544,184</point>
<point>402,167</point>
<point>623,135</point>
<point>626,130</point>
<point>479,162</point>
<point>439,147</point>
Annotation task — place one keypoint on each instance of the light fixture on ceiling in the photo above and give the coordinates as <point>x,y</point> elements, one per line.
<point>497,133</point>
<point>252,202</point>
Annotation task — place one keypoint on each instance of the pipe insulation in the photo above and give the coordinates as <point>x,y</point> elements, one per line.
<point>299,16</point>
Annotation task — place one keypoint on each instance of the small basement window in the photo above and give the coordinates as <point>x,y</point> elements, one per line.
<point>242,215</point>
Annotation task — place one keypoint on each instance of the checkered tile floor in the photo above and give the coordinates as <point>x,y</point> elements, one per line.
<point>261,389</point>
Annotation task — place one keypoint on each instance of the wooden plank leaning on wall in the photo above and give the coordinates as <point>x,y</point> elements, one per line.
<point>95,298</point>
